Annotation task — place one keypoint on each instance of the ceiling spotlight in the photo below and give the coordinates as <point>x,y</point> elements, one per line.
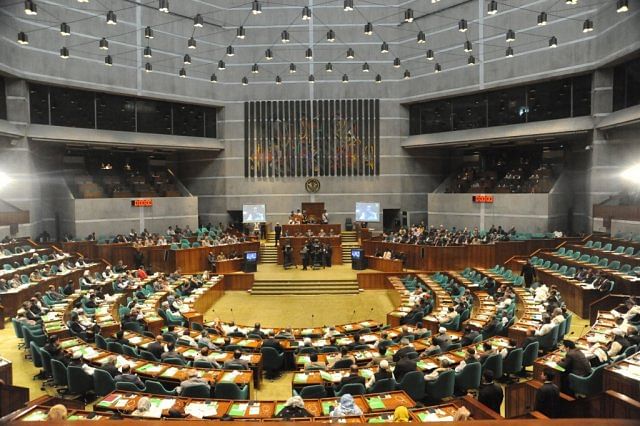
<point>191,44</point>
<point>268,55</point>
<point>471,60</point>
<point>422,38</point>
<point>430,55</point>
<point>148,32</point>
<point>553,42</point>
<point>587,26</point>
<point>83,1</point>
<point>328,67</point>
<point>492,8</point>
<point>187,60</point>
<point>198,21</point>
<point>350,53</point>
<point>64,53</point>
<point>437,68</point>
<point>30,8</point>
<point>221,65</point>
<point>571,1</point>
<point>509,52</point>
<point>256,7</point>
<point>182,73</point>
<point>368,28</point>
<point>331,36</point>
<point>348,5</point>
<point>396,63</point>
<point>345,78</point>
<point>245,81</point>
<point>462,25</point>
<point>306,13</point>
<point>468,47</point>
<point>147,52</point>
<point>23,38</point>
<point>511,35</point>
<point>408,15</point>
<point>292,68</point>
<point>104,44</point>
<point>230,51</point>
<point>378,78</point>
<point>308,54</point>
<point>112,19</point>
<point>214,78</point>
<point>240,32</point>
<point>384,48</point>
<point>284,36</point>
<point>542,19</point>
<point>365,67</point>
<point>255,69</point>
<point>407,75</point>
<point>148,67</point>
<point>65,29</point>
<point>622,6</point>
<point>108,61</point>
<point>278,79</point>
<point>163,6</point>
<point>312,79</point>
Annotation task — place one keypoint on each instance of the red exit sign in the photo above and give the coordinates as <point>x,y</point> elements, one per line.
<point>483,198</point>
<point>142,202</point>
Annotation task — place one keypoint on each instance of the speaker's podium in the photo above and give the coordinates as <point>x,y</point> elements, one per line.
<point>250,261</point>
<point>358,262</point>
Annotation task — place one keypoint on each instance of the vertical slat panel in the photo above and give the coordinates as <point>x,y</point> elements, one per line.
<point>377,152</point>
<point>365,138</point>
<point>332,134</point>
<point>247,152</point>
<point>298,162</point>
<point>252,134</point>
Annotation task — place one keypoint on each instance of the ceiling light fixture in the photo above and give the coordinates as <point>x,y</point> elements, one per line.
<point>198,21</point>
<point>292,68</point>
<point>147,52</point>
<point>471,60</point>
<point>23,38</point>
<point>163,6</point>
<point>182,73</point>
<point>187,60</point>
<point>345,78</point>
<point>245,81</point>
<point>255,69</point>
<point>407,75</point>
<point>312,79</point>
<point>104,44</point>
<point>553,42</point>
<point>308,54</point>
<point>240,33</point>
<point>378,78</point>
<point>214,78</point>
<point>587,26</point>
<point>348,5</point>
<point>350,53</point>
<point>542,19</point>
<point>108,61</point>
<point>328,67</point>
<point>437,68</point>
<point>331,36</point>
<point>112,19</point>
<point>268,55</point>
<point>462,25</point>
<point>509,52</point>
<point>422,38</point>
<point>408,15</point>
<point>284,36</point>
<point>65,29</point>
<point>30,8</point>
<point>148,67</point>
<point>492,8</point>
<point>396,63</point>
<point>468,47</point>
<point>222,65</point>
<point>148,32</point>
<point>230,51</point>
<point>306,13</point>
<point>430,55</point>
<point>256,8</point>
<point>384,48</point>
<point>622,6</point>
<point>365,67</point>
<point>191,44</point>
<point>64,53</point>
<point>278,79</point>
<point>368,28</point>
<point>511,35</point>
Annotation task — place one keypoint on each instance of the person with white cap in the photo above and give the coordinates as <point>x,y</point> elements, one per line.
<point>442,339</point>
<point>384,372</point>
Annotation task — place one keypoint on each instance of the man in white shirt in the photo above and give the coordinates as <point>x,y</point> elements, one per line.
<point>546,327</point>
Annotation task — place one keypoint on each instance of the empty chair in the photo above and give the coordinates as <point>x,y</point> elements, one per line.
<point>383,385</point>
<point>103,383</point>
<point>272,361</point>
<point>148,355</point>
<point>625,269</point>
<point>587,386</point>
<point>115,347</point>
<point>352,388</point>
<point>493,363</point>
<point>231,391</point>
<point>157,388</point>
<point>343,363</point>
<point>197,391</point>
<point>512,364</point>
<point>530,354</point>
<point>468,378</point>
<point>589,244</point>
<point>129,351</point>
<point>628,251</point>
<point>175,361</point>
<point>603,262</point>
<point>59,373</point>
<point>413,384</point>
<point>619,250</point>
<point>127,386</point>
<point>607,247</point>
<point>80,383</point>
<point>615,265</point>
<point>442,387</point>
<point>312,392</point>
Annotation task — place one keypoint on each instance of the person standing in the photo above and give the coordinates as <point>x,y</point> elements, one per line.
<point>529,273</point>
<point>548,396</point>
<point>278,231</point>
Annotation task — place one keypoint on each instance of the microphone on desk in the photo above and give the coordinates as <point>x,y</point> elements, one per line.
<point>352,315</point>
<point>312,316</point>
<point>233,317</point>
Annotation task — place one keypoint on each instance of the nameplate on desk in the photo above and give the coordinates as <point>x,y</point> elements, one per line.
<point>482,198</point>
<point>142,202</point>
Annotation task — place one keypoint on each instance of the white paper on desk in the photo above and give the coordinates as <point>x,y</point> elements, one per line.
<point>166,404</point>
<point>200,410</point>
<point>433,417</point>
<point>254,410</point>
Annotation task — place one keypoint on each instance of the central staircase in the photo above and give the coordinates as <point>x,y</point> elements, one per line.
<point>281,287</point>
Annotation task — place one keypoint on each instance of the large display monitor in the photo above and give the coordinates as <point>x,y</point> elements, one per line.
<point>368,212</point>
<point>252,213</point>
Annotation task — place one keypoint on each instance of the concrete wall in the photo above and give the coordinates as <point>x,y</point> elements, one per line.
<point>114,216</point>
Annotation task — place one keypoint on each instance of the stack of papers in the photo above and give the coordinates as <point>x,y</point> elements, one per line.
<point>202,409</point>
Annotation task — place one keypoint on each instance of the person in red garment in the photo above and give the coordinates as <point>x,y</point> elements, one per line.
<point>142,274</point>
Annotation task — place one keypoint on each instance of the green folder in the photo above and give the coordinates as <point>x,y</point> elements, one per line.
<point>326,407</point>
<point>190,353</point>
<point>279,408</point>
<point>376,420</point>
<point>155,401</point>
<point>376,403</point>
<point>36,416</point>
<point>366,373</point>
<point>325,376</point>
<point>300,378</point>
<point>146,367</point>
<point>303,359</point>
<point>421,365</point>
<point>422,416</point>
<point>237,410</point>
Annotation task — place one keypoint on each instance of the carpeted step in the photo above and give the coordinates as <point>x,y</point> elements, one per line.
<point>276,286</point>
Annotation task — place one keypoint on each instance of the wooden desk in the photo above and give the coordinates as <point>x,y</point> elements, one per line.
<point>297,243</point>
<point>194,260</point>
<point>384,265</point>
<point>624,377</point>
<point>229,265</point>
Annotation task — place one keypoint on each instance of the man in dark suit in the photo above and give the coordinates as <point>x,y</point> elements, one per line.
<point>156,347</point>
<point>529,273</point>
<point>278,230</point>
<point>171,353</point>
<point>469,335</point>
<point>442,339</point>
<point>256,330</point>
<point>489,393</point>
<point>127,376</point>
<point>404,350</point>
<point>272,342</point>
<point>574,361</point>
<point>404,366</point>
<point>110,367</point>
<point>353,377</point>
<point>237,360</point>
<point>548,396</point>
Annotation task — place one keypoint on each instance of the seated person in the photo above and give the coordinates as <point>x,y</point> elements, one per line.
<point>193,380</point>
<point>204,355</point>
<point>293,408</point>
<point>443,367</point>
<point>384,372</point>
<point>353,377</point>
<point>172,353</point>
<point>128,376</point>
<point>314,364</point>
<point>237,360</point>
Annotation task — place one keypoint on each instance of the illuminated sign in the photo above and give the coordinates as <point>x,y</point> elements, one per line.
<point>142,202</point>
<point>483,198</point>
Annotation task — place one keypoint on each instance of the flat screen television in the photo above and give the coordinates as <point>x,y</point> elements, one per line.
<point>368,212</point>
<point>250,256</point>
